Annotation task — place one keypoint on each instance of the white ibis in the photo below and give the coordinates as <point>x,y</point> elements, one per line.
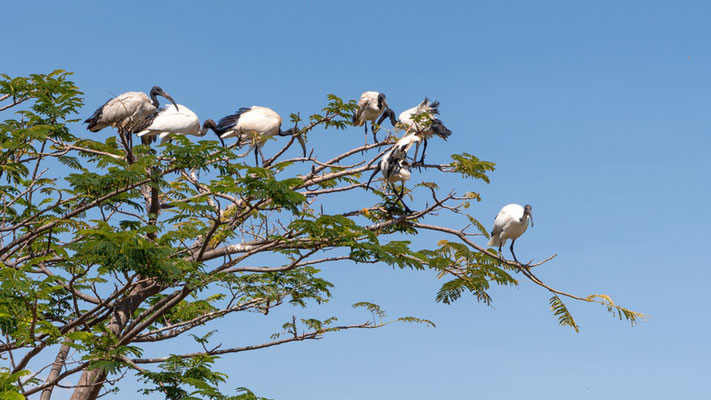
<point>371,106</point>
<point>395,167</point>
<point>511,223</point>
<point>422,121</point>
<point>169,121</point>
<point>126,111</point>
<point>254,125</point>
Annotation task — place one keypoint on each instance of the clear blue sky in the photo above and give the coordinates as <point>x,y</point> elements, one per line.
<point>596,113</point>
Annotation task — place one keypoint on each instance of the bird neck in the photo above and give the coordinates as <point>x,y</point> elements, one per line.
<point>287,132</point>
<point>154,100</point>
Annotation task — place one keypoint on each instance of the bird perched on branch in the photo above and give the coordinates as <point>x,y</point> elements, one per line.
<point>422,121</point>
<point>254,125</point>
<point>169,121</point>
<point>395,167</point>
<point>510,223</point>
<point>371,106</point>
<point>127,111</point>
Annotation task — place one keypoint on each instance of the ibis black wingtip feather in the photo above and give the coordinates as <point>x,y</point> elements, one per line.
<point>440,130</point>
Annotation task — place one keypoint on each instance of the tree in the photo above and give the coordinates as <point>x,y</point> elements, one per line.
<point>108,247</point>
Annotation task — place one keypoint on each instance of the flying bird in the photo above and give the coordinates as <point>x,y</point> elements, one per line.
<point>422,121</point>
<point>371,106</point>
<point>169,121</point>
<point>510,223</point>
<point>254,125</point>
<point>395,168</point>
<point>127,111</point>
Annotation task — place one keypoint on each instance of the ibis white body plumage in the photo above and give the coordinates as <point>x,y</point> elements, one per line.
<point>168,121</point>
<point>403,145</point>
<point>511,222</point>
<point>253,125</point>
<point>395,168</point>
<point>126,111</point>
<point>425,126</point>
<point>371,106</point>
<point>394,165</point>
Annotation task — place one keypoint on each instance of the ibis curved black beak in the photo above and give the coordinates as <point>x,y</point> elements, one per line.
<point>383,116</point>
<point>171,100</point>
<point>165,95</point>
<point>299,137</point>
<point>220,137</point>
<point>527,211</point>
<point>302,143</point>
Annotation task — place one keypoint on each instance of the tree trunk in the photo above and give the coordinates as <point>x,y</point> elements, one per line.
<point>91,381</point>
<point>56,369</point>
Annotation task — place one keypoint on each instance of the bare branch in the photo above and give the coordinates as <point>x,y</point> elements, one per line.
<point>304,336</point>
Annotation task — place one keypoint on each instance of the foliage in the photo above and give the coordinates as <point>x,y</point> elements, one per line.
<point>108,247</point>
<point>561,311</point>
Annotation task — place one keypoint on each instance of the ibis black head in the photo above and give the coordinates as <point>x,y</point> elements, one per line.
<point>527,211</point>
<point>209,124</point>
<point>157,91</point>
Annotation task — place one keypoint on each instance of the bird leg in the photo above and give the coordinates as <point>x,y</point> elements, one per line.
<point>127,141</point>
<point>372,129</point>
<point>422,160</point>
<point>417,150</point>
<point>366,132</point>
<point>512,251</point>
<point>501,253</point>
<point>399,198</point>
<point>256,159</point>
<point>259,148</point>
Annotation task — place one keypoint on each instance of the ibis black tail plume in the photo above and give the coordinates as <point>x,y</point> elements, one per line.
<point>435,106</point>
<point>229,122</point>
<point>439,129</point>
<point>93,121</point>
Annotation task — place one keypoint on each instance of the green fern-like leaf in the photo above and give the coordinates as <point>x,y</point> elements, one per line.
<point>472,167</point>
<point>618,311</point>
<point>373,308</point>
<point>561,311</point>
<point>414,320</point>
